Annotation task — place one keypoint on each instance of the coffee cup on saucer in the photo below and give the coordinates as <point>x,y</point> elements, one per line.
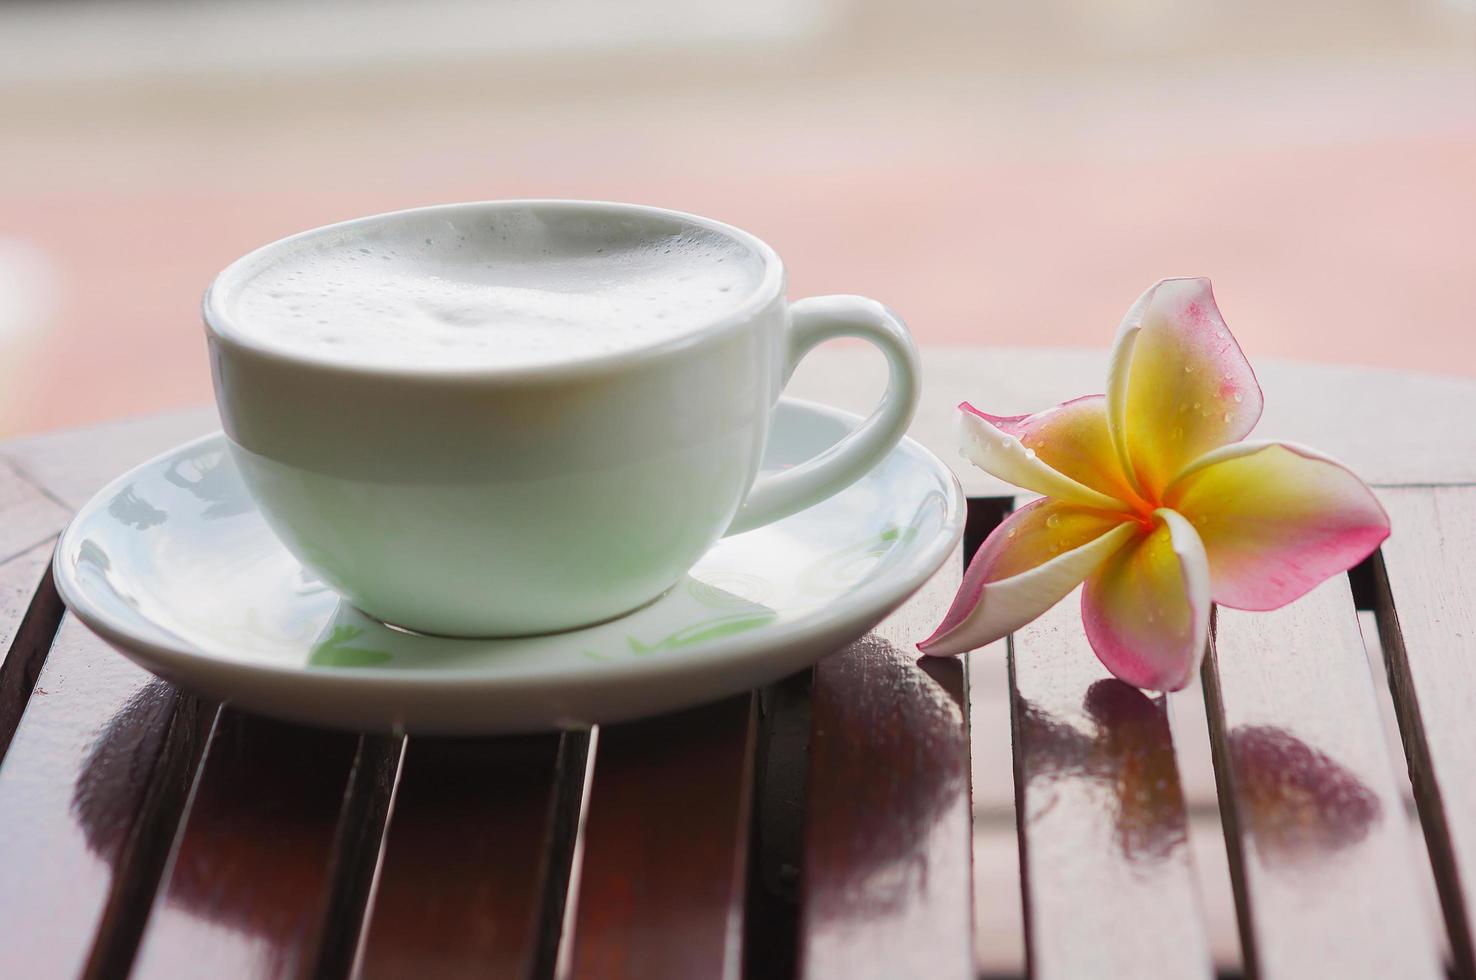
<point>519,417</point>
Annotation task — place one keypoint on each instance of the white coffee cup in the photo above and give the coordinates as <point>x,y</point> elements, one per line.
<point>505,500</point>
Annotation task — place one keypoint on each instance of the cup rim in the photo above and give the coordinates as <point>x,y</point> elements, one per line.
<point>219,323</point>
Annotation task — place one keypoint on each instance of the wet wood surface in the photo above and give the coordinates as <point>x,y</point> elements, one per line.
<point>476,858</point>
<point>89,790</point>
<point>250,877</point>
<point>96,771</point>
<point>886,885</point>
<point>662,891</point>
<point>1109,887</point>
<point>1319,845</point>
<point>1426,602</point>
<point>134,838</point>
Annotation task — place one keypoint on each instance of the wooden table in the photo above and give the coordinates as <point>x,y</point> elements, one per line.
<point>834,825</point>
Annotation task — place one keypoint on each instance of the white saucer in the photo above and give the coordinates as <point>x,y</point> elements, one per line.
<point>174,566</point>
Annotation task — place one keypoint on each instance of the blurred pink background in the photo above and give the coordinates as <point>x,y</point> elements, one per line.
<point>1000,174</point>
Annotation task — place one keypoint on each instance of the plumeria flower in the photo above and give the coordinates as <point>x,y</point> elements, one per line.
<point>1151,498</point>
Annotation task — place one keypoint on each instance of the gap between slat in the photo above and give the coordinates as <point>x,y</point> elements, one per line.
<point>563,957</point>
<point>998,919</point>
<point>1373,649</point>
<point>565,812</point>
<point>362,936</point>
<point>1421,775</point>
<point>473,868</point>
<point>21,663</point>
<point>1234,847</point>
<point>776,842</point>
<point>356,848</point>
<point>666,897</point>
<point>23,475</point>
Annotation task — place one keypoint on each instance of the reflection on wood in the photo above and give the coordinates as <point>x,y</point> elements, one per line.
<point>101,750</point>
<point>666,847</point>
<point>249,881</point>
<point>474,845</point>
<point>1318,846</point>
<point>885,887</point>
<point>1109,886</point>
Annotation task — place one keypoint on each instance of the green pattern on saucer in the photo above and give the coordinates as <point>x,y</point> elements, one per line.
<point>334,650</point>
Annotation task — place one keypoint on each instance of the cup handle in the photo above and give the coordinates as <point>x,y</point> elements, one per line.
<point>812,322</point>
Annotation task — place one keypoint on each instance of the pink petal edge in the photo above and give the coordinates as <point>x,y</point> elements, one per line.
<point>1012,423</point>
<point>1338,552</point>
<point>1013,579</point>
<point>974,576</point>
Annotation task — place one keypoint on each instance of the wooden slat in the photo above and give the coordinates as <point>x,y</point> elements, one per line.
<point>476,852</point>
<point>250,880</point>
<point>1109,885</point>
<point>662,886</point>
<point>28,516</point>
<point>885,890</point>
<point>1319,848</point>
<point>357,845</point>
<point>97,769</point>
<point>1426,604</point>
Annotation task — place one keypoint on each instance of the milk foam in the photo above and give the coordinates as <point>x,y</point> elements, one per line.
<point>499,288</point>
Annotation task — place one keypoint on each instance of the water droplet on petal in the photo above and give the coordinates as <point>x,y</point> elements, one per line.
<point>1239,397</point>
<point>1188,368</point>
<point>1228,416</point>
<point>1013,531</point>
<point>1053,521</point>
<point>1029,453</point>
